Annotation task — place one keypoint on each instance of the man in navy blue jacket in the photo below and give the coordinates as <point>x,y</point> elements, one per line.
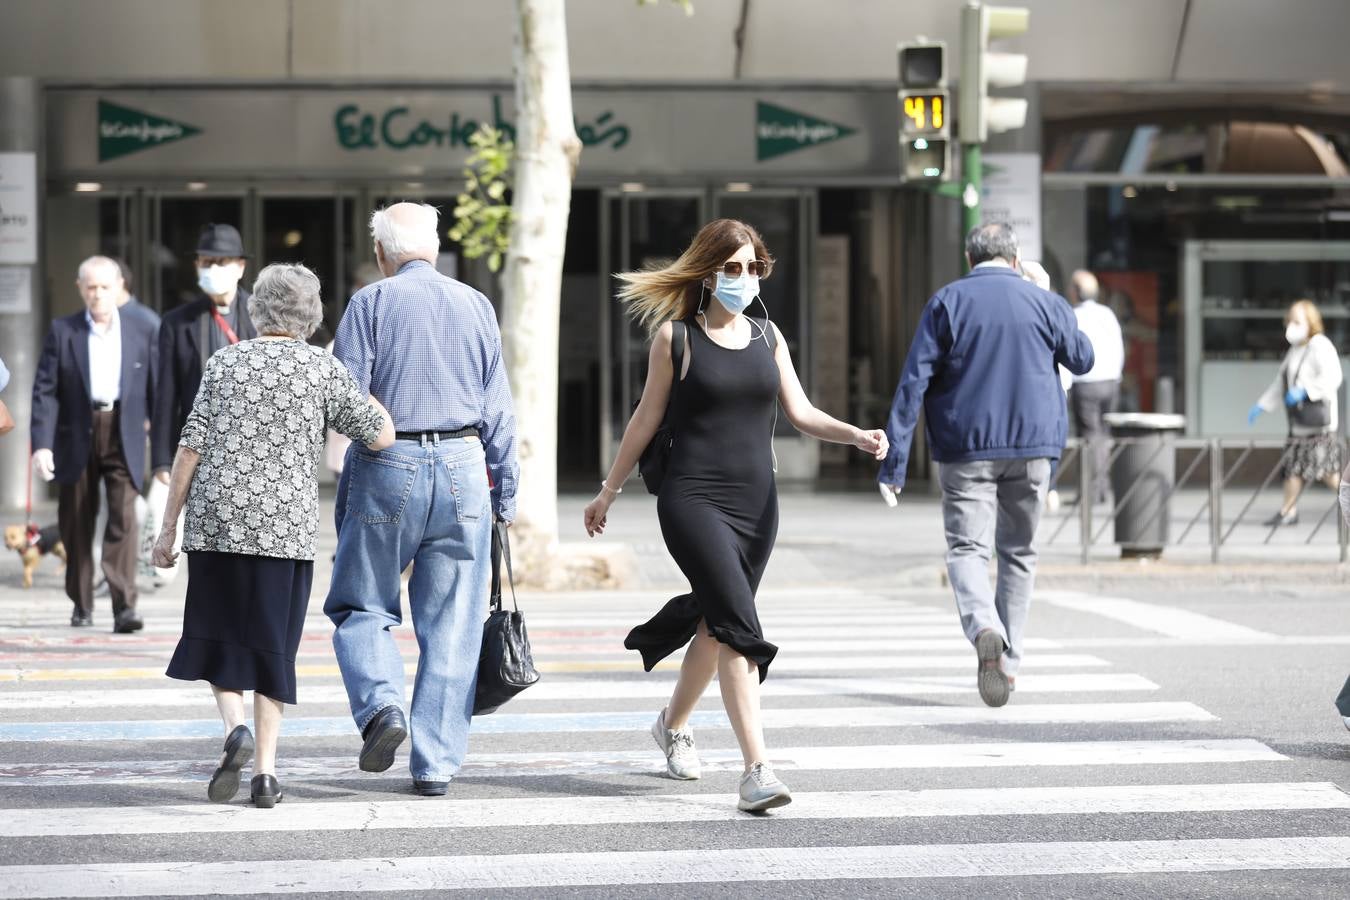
<point>983,368</point>
<point>91,399</point>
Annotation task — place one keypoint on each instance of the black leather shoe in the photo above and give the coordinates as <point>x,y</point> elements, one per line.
<point>265,791</point>
<point>126,622</point>
<point>80,620</point>
<point>238,751</point>
<point>383,734</point>
<point>430,788</point>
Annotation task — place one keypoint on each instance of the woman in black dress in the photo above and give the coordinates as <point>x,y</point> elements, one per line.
<point>247,470</point>
<point>718,504</point>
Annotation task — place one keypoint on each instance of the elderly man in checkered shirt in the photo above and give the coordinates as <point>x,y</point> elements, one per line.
<point>428,348</point>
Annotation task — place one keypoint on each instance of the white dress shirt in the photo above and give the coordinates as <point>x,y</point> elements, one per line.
<point>1099,323</point>
<point>105,360</point>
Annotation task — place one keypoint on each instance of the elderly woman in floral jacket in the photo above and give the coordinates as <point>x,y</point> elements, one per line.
<point>247,468</point>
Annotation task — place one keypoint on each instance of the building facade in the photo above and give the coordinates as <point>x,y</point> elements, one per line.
<point>1190,152</point>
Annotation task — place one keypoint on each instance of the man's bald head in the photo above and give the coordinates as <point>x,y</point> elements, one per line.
<point>403,232</point>
<point>1084,286</point>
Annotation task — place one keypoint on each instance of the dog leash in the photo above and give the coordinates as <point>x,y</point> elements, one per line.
<point>32,529</point>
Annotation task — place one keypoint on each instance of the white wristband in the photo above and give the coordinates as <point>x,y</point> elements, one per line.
<point>604,485</point>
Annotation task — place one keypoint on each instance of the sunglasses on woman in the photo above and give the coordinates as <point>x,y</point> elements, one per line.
<point>756,267</point>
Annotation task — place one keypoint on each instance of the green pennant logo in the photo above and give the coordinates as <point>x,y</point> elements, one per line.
<point>779,131</point>
<point>122,131</point>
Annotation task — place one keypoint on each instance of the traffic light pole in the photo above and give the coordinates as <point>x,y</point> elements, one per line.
<point>972,172</point>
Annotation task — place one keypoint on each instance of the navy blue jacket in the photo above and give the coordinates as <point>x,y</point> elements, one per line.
<point>983,366</point>
<point>63,418</point>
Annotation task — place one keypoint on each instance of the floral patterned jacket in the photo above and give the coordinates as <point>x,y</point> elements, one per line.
<point>259,423</point>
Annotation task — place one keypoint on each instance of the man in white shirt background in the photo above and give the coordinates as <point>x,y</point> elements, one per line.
<point>1096,393</point>
<point>91,398</point>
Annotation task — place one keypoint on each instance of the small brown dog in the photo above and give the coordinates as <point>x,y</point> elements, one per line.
<point>47,540</point>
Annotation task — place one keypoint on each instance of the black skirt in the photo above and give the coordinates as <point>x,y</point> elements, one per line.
<point>242,622</point>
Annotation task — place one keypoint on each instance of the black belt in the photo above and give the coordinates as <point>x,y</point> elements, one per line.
<point>104,407</point>
<point>435,435</point>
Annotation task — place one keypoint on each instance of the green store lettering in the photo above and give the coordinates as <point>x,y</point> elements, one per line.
<point>399,129</point>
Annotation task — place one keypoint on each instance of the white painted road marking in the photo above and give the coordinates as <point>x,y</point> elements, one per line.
<point>625,689</point>
<point>534,812</point>
<point>1167,620</point>
<point>702,866</point>
<point>642,762</point>
<point>578,722</point>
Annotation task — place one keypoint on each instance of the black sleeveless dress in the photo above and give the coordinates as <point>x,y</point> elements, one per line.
<point>718,505</point>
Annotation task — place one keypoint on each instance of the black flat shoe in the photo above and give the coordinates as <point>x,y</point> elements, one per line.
<point>81,620</point>
<point>383,734</point>
<point>1279,519</point>
<point>126,622</point>
<point>265,791</point>
<point>430,788</point>
<point>238,751</point>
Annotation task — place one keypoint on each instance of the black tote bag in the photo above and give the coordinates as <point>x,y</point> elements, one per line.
<point>505,665</point>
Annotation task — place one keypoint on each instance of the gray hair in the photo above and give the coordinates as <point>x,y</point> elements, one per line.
<point>99,262</point>
<point>286,301</point>
<point>992,240</point>
<point>406,229</point>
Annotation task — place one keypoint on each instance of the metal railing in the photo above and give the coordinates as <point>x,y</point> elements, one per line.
<point>1207,476</point>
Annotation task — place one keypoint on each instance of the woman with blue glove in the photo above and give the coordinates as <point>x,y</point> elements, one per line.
<point>1306,385</point>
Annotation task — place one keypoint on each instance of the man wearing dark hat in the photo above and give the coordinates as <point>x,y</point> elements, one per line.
<point>189,335</point>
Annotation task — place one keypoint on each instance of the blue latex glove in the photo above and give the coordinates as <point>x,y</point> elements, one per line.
<point>1252,413</point>
<point>1294,396</point>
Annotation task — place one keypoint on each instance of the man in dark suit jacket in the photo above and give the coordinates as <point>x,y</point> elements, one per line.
<point>92,394</point>
<point>188,335</point>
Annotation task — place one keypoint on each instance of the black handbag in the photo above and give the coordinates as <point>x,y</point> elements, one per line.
<point>655,458</point>
<point>1307,413</point>
<point>505,665</point>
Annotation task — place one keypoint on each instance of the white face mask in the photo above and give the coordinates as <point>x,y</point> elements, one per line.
<point>1296,333</point>
<point>218,280</point>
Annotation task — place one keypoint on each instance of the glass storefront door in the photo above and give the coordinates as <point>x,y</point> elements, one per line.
<point>645,228</point>
<point>637,230</point>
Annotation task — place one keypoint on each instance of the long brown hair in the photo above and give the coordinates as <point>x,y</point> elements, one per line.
<point>659,294</point>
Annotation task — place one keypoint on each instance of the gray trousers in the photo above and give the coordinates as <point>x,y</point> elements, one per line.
<point>993,506</point>
<point>1090,400</point>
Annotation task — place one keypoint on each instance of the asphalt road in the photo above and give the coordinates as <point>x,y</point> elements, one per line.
<point>1160,743</point>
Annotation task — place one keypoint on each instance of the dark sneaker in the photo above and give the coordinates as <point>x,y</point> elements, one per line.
<point>238,751</point>
<point>383,735</point>
<point>992,680</point>
<point>427,788</point>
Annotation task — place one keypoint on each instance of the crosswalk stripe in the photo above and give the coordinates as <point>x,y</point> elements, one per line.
<point>784,666</point>
<point>533,812</point>
<point>1163,619</point>
<point>575,722</point>
<point>701,866</point>
<point>644,762</point>
<point>557,689</point>
<point>566,650</point>
<point>539,634</point>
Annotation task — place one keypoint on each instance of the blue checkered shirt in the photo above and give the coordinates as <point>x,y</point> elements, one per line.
<point>428,348</point>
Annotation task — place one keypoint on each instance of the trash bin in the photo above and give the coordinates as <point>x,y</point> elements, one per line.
<point>1142,477</point>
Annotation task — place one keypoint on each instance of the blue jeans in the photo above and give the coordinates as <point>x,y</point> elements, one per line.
<point>426,504</point>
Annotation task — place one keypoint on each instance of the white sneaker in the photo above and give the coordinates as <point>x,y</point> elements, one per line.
<point>761,790</point>
<point>678,746</point>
